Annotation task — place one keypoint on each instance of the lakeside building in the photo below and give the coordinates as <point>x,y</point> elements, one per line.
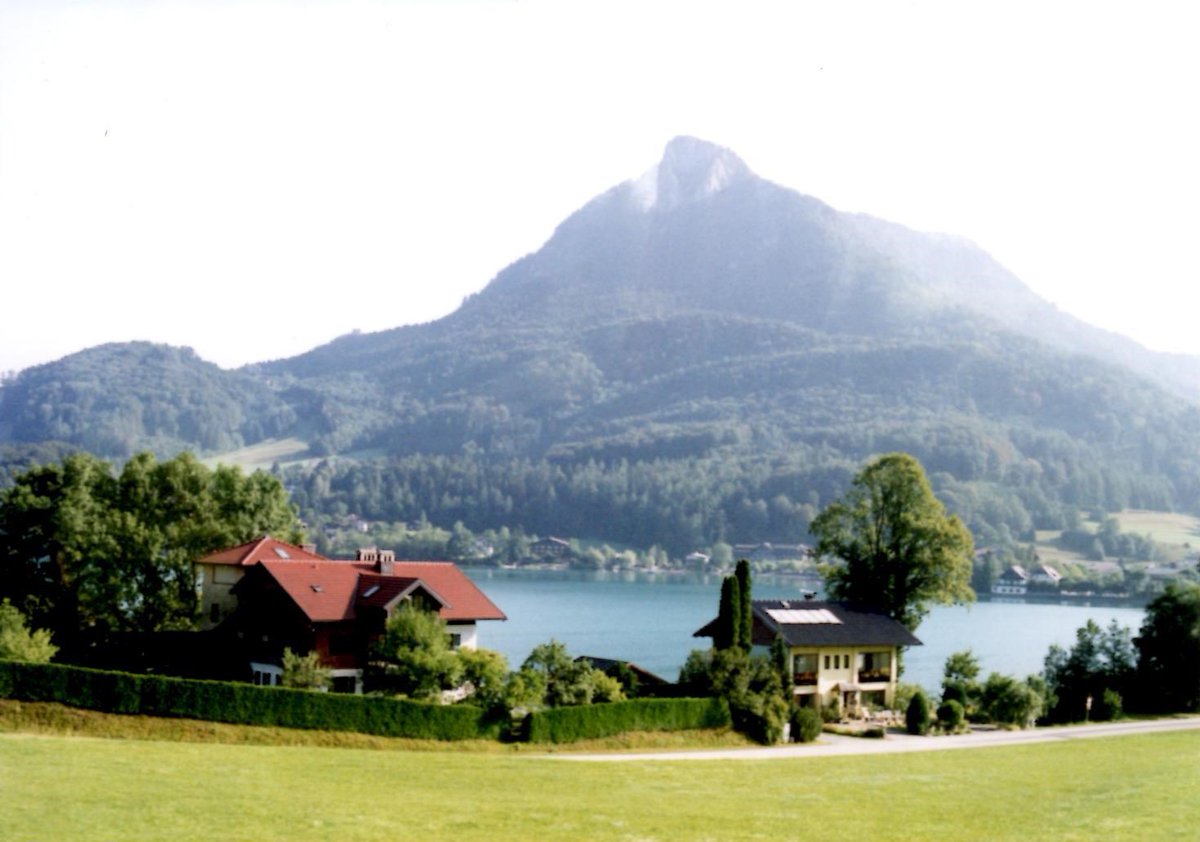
<point>267,595</point>
<point>838,655</point>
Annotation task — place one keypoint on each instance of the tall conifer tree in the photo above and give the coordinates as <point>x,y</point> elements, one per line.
<point>746,612</point>
<point>728,615</point>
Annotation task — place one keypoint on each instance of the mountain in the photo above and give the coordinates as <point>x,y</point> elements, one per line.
<point>695,354</point>
<point>119,398</point>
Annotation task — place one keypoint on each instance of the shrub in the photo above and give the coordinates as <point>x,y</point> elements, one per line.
<point>584,722</point>
<point>806,725</point>
<point>950,715</point>
<point>916,718</point>
<point>1008,701</point>
<point>832,712</point>
<point>760,717</point>
<point>1110,706</point>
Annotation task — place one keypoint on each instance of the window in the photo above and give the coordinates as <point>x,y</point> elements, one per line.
<point>804,669</point>
<point>826,662</point>
<point>455,641</point>
<point>341,644</point>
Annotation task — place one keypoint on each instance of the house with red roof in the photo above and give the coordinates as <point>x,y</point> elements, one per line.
<point>268,595</point>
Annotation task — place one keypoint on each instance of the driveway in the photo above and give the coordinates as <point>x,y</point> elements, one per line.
<point>832,745</point>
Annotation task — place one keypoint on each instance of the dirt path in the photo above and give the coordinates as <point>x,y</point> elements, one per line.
<point>831,745</point>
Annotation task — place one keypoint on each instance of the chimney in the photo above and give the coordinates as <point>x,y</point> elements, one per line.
<point>309,548</point>
<point>385,560</point>
<point>386,564</point>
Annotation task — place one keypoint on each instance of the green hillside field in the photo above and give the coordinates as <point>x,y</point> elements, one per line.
<point>59,787</point>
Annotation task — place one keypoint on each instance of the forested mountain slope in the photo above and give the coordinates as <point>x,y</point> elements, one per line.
<point>695,354</point>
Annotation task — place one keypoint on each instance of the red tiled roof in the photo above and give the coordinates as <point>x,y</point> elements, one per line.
<point>265,548</point>
<point>463,599</point>
<point>323,590</point>
<point>328,591</point>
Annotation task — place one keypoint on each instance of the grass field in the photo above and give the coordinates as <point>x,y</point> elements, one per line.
<point>1178,535</point>
<point>261,455</point>
<point>57,787</point>
<point>1165,527</point>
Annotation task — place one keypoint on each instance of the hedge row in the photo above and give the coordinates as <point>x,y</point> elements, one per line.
<point>585,722</point>
<point>240,704</point>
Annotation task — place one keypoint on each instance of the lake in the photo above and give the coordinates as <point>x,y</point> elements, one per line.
<point>649,618</point>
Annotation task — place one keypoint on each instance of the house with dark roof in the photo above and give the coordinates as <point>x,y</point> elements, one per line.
<point>612,666</point>
<point>1044,576</point>
<point>838,654</point>
<point>550,547</point>
<point>1012,582</point>
<point>290,597</point>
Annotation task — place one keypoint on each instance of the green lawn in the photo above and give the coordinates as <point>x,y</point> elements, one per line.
<point>1169,528</point>
<point>57,787</point>
<point>261,455</point>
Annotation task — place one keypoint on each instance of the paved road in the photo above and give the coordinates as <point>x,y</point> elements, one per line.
<point>834,745</point>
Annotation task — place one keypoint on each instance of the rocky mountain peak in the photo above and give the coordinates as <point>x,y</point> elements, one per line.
<point>690,170</point>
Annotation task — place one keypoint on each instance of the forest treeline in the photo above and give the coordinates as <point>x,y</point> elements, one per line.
<point>730,496</point>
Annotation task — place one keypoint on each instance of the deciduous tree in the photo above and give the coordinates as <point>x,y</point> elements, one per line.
<point>895,546</point>
<point>414,658</point>
<point>87,553</point>
<point>1169,650</point>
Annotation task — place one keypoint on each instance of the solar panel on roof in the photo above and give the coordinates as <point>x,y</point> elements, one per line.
<point>803,616</point>
<point>281,552</point>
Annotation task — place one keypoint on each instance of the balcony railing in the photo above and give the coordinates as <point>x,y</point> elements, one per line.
<point>804,679</point>
<point>874,676</point>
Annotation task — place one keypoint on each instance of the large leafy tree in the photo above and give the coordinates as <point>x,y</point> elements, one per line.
<point>896,546</point>
<point>87,552</point>
<point>1169,650</point>
<point>1101,663</point>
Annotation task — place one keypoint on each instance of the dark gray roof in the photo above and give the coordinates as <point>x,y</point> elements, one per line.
<point>822,624</point>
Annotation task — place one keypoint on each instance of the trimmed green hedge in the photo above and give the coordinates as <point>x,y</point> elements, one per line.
<point>240,704</point>
<point>586,722</point>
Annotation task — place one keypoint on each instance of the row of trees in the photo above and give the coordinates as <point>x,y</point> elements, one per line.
<point>1102,675</point>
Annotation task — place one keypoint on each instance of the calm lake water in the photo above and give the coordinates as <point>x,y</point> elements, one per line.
<point>649,619</point>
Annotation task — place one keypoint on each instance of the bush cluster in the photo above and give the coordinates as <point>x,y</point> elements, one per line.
<point>584,722</point>
<point>806,725</point>
<point>240,704</point>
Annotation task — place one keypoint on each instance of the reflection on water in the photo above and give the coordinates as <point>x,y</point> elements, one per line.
<point>649,618</point>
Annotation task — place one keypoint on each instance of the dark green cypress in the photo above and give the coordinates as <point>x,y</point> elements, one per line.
<point>744,634</point>
<point>728,615</point>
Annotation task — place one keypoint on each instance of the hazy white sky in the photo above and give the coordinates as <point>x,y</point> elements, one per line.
<point>254,179</point>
